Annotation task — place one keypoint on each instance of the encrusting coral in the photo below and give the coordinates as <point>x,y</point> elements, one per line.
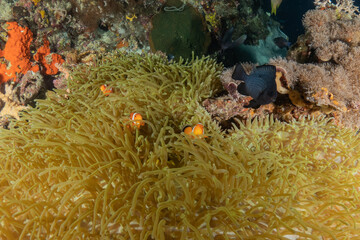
<point>72,168</point>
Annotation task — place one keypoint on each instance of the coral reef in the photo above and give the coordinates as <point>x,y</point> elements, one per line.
<point>83,25</point>
<point>318,77</point>
<point>20,78</point>
<point>329,52</point>
<point>38,35</point>
<point>15,97</point>
<point>10,103</point>
<point>71,168</point>
<point>246,16</point>
<point>30,87</point>
<point>17,58</point>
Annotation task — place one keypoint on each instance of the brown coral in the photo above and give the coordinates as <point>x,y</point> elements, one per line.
<point>328,74</point>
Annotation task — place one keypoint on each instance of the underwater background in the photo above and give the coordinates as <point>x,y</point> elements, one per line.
<point>290,15</point>
<point>179,119</point>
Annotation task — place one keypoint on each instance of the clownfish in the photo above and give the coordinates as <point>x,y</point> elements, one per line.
<point>106,91</point>
<point>197,130</point>
<point>137,120</point>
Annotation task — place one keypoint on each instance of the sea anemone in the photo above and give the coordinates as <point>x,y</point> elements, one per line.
<point>71,168</point>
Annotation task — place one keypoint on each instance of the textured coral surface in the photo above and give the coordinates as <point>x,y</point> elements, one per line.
<point>17,52</point>
<point>74,168</point>
<point>326,72</point>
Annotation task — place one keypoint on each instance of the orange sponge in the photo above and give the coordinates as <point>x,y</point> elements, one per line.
<point>47,59</point>
<point>17,53</point>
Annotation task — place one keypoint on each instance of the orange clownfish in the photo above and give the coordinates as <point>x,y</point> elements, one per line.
<point>106,91</point>
<point>197,131</point>
<point>137,120</point>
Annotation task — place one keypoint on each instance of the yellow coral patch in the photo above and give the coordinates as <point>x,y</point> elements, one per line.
<point>42,13</point>
<point>36,2</point>
<point>279,87</point>
<point>131,18</point>
<point>212,20</point>
<point>296,99</point>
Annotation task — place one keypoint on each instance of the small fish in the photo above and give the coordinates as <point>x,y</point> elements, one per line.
<point>106,91</point>
<point>196,131</point>
<point>228,43</point>
<point>187,129</point>
<point>275,5</point>
<point>137,120</point>
<point>170,57</point>
<point>282,42</point>
<point>260,84</point>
